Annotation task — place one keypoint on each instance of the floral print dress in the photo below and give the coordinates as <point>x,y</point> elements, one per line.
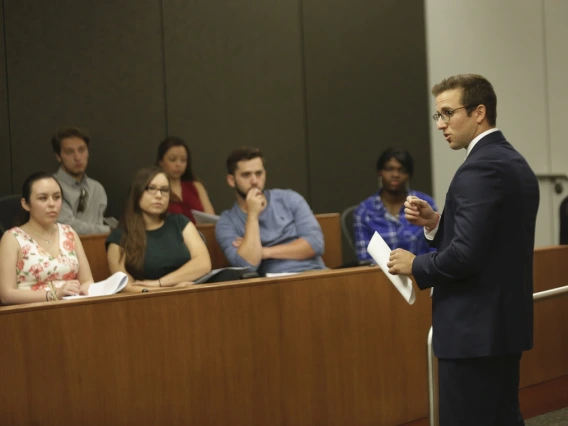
<point>36,267</point>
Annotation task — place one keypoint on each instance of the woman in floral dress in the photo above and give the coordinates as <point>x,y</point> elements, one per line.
<point>48,258</point>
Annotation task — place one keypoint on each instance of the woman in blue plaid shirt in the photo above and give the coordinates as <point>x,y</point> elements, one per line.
<point>384,211</point>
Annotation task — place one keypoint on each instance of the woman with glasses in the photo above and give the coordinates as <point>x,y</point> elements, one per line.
<point>383,212</point>
<point>188,193</point>
<point>47,257</point>
<point>155,249</point>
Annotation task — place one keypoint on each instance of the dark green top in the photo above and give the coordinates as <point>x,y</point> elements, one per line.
<point>165,249</point>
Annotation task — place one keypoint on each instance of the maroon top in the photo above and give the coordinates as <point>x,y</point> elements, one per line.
<point>190,201</point>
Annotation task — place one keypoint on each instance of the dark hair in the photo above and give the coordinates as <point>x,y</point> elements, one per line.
<point>133,240</point>
<point>477,90</point>
<point>24,215</point>
<point>68,132</point>
<point>400,155</point>
<point>243,153</point>
<point>170,142</point>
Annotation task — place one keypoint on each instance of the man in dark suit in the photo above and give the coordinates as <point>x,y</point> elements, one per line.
<point>482,306</point>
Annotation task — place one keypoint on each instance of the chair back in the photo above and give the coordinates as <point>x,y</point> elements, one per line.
<point>347,226</point>
<point>10,207</point>
<point>564,222</point>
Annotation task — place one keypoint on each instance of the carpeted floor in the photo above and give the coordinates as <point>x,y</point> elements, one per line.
<point>556,418</point>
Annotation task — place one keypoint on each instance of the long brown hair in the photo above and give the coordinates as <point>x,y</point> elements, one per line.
<point>133,240</point>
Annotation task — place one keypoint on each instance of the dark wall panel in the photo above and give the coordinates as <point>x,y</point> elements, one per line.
<point>366,90</point>
<point>234,77</point>
<point>5,161</point>
<point>92,64</point>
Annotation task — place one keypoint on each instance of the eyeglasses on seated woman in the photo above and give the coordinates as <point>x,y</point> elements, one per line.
<point>155,249</point>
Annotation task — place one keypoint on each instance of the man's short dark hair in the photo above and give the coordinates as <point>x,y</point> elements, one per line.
<point>68,132</point>
<point>400,155</point>
<point>477,90</point>
<point>244,153</point>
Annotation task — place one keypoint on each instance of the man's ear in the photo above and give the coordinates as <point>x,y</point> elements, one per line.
<point>231,180</point>
<point>58,158</point>
<point>24,204</point>
<point>480,113</point>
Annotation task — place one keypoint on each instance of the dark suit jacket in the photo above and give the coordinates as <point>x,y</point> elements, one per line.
<point>483,271</point>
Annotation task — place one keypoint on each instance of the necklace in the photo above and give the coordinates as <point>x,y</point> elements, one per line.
<point>48,241</point>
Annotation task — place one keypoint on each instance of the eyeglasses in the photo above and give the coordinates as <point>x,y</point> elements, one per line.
<point>153,190</point>
<point>446,114</point>
<point>82,201</point>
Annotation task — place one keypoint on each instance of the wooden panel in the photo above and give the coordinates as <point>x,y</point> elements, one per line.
<point>550,319</point>
<point>218,259</point>
<point>327,347</point>
<point>356,348</point>
<point>331,228</point>
<point>199,357</point>
<point>95,250</point>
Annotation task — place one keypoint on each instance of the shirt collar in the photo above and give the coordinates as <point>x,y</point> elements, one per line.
<point>477,139</point>
<point>62,175</point>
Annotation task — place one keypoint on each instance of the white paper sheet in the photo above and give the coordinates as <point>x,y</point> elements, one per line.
<point>280,274</point>
<point>201,217</point>
<point>111,285</point>
<point>380,252</point>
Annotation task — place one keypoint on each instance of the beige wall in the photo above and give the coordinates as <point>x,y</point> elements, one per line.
<point>519,45</point>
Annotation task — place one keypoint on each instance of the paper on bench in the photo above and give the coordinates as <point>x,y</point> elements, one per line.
<point>380,252</point>
<point>111,285</point>
<point>201,217</point>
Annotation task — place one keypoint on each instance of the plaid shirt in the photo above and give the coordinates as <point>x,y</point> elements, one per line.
<point>372,215</point>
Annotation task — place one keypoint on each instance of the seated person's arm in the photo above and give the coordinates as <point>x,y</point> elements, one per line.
<point>310,242</point>
<point>9,293</point>
<point>204,198</point>
<point>363,234</point>
<point>200,262</point>
<point>229,239</point>
<point>85,275</point>
<point>250,248</point>
<point>116,264</point>
<point>66,216</point>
